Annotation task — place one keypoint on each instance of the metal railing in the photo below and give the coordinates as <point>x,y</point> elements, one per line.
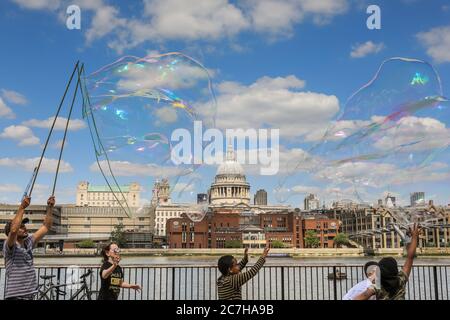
<point>429,282</point>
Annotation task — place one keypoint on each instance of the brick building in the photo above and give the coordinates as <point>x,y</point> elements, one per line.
<point>220,227</point>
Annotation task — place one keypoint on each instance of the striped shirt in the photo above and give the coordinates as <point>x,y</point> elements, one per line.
<point>20,275</point>
<point>229,287</point>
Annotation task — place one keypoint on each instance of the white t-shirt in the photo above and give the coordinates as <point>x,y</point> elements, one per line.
<point>358,289</point>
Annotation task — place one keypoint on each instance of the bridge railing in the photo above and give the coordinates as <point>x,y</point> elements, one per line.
<point>315,282</point>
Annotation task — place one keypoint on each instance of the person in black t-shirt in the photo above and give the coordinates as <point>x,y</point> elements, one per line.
<point>111,274</point>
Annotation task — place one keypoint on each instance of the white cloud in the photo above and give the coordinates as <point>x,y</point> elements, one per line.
<point>183,187</point>
<point>265,14</point>
<point>274,103</point>
<point>181,20</point>
<point>38,4</point>
<point>48,165</point>
<point>20,133</point>
<point>428,132</point>
<point>305,189</point>
<point>14,97</point>
<point>75,124</point>
<point>129,169</point>
<point>4,188</point>
<point>437,43</point>
<point>209,20</point>
<point>336,131</point>
<point>58,144</point>
<point>6,111</point>
<point>186,76</point>
<point>105,20</point>
<point>364,49</point>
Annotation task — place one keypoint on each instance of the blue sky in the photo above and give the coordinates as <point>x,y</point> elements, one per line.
<point>297,41</point>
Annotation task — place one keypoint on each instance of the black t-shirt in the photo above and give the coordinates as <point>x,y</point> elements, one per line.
<point>110,287</point>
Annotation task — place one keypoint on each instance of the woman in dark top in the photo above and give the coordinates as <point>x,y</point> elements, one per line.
<point>111,274</point>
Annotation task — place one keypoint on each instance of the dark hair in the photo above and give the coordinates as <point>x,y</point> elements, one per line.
<point>389,275</point>
<point>105,249</point>
<point>368,264</point>
<point>225,263</point>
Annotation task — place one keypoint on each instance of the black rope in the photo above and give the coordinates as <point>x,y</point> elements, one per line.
<point>51,129</point>
<point>65,131</point>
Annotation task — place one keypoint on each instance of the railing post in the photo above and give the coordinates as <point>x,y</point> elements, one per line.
<point>436,289</point>
<point>173,283</point>
<point>282,283</point>
<point>334,283</point>
<point>58,277</point>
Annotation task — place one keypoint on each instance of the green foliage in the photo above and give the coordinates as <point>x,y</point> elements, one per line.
<point>277,244</point>
<point>233,244</point>
<point>311,239</point>
<point>341,239</point>
<point>118,235</point>
<point>86,244</point>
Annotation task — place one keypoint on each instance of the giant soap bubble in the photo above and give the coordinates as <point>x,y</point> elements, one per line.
<point>391,135</point>
<point>133,107</point>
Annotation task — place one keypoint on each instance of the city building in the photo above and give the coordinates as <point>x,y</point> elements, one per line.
<point>390,201</point>
<point>325,228</point>
<point>36,214</point>
<point>224,227</point>
<point>230,191</point>
<point>202,198</point>
<point>417,198</point>
<point>260,197</point>
<point>230,186</point>
<point>97,223</point>
<point>311,202</point>
<point>103,196</point>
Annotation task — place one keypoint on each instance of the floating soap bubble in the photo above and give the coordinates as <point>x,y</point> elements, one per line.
<point>133,107</point>
<point>393,133</point>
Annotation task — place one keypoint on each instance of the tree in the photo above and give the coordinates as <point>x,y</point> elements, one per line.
<point>311,239</point>
<point>118,235</point>
<point>86,244</point>
<point>341,239</point>
<point>233,244</point>
<point>277,244</point>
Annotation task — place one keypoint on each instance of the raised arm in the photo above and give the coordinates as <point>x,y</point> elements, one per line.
<point>238,280</point>
<point>16,222</point>
<point>107,272</point>
<point>366,294</point>
<point>411,249</point>
<point>244,261</point>
<point>48,221</point>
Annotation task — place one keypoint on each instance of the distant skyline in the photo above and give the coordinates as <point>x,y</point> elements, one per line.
<point>294,73</point>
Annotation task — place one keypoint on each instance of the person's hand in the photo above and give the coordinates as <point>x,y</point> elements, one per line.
<point>415,231</point>
<point>265,252</point>
<point>116,260</point>
<point>246,252</point>
<point>25,202</point>
<point>51,201</point>
<point>135,287</point>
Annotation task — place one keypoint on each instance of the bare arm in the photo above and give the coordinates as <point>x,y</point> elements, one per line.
<point>238,280</point>
<point>48,221</point>
<point>126,285</point>
<point>16,222</point>
<point>107,272</point>
<point>365,295</point>
<point>411,250</point>
<point>244,261</point>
